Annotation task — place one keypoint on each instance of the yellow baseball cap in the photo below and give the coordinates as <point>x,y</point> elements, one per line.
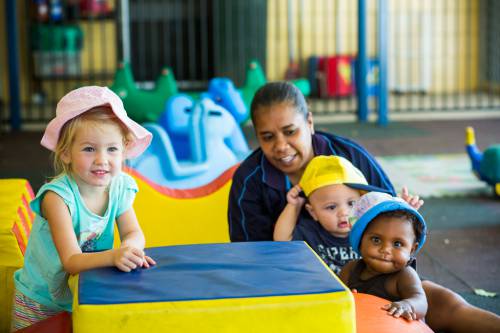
<point>331,170</point>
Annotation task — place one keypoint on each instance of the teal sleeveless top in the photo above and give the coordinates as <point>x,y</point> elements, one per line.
<point>42,278</point>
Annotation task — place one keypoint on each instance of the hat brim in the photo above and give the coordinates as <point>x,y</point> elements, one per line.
<point>135,148</point>
<point>360,225</point>
<point>367,188</point>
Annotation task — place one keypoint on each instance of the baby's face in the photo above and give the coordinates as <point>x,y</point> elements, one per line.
<point>387,244</point>
<point>331,206</point>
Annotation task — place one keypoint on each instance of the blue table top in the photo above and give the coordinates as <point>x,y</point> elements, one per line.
<point>212,271</point>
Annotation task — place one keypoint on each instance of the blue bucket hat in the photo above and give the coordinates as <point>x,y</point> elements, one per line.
<point>370,206</point>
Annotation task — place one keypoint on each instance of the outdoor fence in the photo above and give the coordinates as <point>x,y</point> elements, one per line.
<point>443,55</point>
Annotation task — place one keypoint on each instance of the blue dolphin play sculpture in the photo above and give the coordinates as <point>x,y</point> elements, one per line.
<point>204,134</point>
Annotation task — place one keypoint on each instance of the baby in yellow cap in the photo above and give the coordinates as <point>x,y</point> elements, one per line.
<point>331,185</point>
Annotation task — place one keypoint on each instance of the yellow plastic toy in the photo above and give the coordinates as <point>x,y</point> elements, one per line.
<point>16,219</point>
<point>189,216</point>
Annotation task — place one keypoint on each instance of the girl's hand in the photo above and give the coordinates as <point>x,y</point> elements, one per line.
<point>293,196</point>
<point>413,201</point>
<point>128,258</point>
<point>148,262</point>
<point>400,309</point>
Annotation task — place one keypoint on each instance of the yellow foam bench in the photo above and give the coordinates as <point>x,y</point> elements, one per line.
<point>228,287</point>
<point>16,219</point>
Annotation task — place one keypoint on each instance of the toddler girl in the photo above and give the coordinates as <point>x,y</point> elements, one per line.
<point>90,136</point>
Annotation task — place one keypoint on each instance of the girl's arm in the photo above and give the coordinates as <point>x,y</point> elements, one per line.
<point>413,305</point>
<point>283,229</point>
<point>56,213</point>
<point>129,230</point>
<point>131,236</point>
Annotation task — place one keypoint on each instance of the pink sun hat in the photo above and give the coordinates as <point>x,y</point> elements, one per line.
<point>83,99</point>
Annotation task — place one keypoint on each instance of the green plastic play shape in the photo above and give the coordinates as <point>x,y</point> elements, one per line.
<point>143,105</point>
<point>490,164</point>
<point>255,78</point>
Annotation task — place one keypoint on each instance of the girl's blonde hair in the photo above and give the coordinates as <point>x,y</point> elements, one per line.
<point>92,118</point>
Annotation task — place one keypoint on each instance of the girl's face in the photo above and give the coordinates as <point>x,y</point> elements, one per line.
<point>387,244</point>
<point>285,138</point>
<point>96,155</point>
<point>331,206</point>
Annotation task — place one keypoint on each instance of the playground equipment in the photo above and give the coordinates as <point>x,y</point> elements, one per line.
<point>208,141</point>
<point>255,78</point>
<point>146,105</point>
<point>143,105</point>
<point>370,317</point>
<point>189,124</point>
<point>485,165</point>
<point>170,216</point>
<point>223,92</point>
<point>216,288</point>
<point>16,219</point>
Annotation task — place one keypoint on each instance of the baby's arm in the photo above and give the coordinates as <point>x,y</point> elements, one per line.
<point>283,229</point>
<point>413,304</point>
<point>345,273</point>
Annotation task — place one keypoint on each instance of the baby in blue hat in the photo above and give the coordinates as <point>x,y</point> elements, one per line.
<point>387,233</point>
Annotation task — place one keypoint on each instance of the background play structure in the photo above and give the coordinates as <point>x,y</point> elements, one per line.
<point>192,144</point>
<point>221,90</point>
<point>197,135</point>
<point>486,164</point>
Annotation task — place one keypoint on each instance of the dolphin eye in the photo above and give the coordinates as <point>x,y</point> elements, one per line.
<point>214,113</point>
<point>187,110</point>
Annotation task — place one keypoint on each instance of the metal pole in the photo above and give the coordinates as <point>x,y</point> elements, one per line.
<point>15,99</point>
<point>383,41</point>
<point>125,20</point>
<point>362,63</point>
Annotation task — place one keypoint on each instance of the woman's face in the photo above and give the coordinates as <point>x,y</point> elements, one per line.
<point>285,138</point>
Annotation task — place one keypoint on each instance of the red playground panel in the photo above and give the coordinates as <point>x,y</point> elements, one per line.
<point>336,79</point>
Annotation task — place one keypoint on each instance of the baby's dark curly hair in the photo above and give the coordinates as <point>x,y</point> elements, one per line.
<point>418,228</point>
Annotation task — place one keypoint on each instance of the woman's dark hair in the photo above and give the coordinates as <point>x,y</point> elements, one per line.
<point>278,92</point>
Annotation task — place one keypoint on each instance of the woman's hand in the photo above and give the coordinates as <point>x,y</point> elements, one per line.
<point>293,196</point>
<point>400,309</point>
<point>412,200</point>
